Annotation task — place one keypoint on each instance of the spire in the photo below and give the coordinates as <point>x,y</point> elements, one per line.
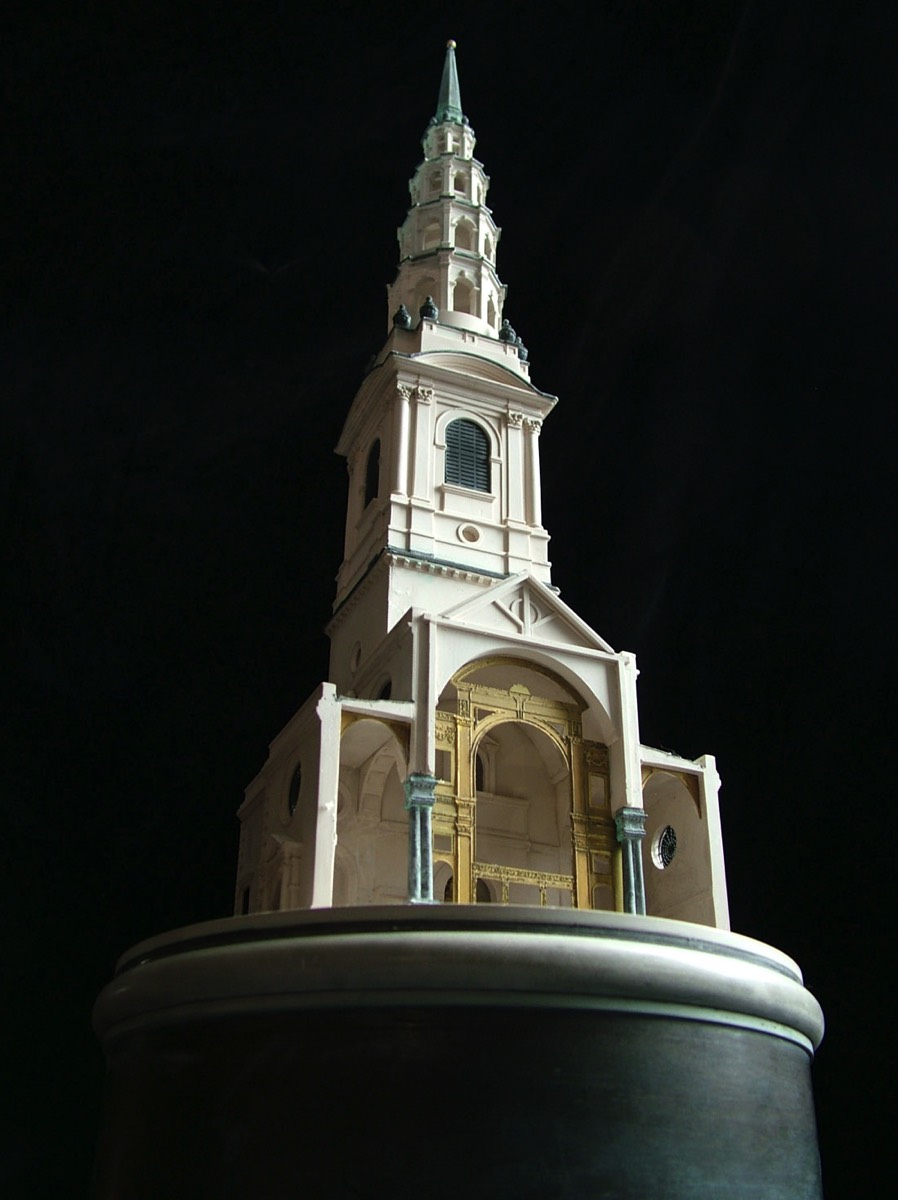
<point>447,242</point>
<point>449,102</point>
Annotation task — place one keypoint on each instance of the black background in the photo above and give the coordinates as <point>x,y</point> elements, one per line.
<point>698,203</point>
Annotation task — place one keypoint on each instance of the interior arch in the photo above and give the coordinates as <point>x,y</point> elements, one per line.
<point>372,827</point>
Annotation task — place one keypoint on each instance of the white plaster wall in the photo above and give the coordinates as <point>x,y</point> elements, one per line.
<point>683,890</point>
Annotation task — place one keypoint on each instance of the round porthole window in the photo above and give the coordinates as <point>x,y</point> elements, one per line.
<point>664,847</point>
<point>469,533</point>
<point>293,793</point>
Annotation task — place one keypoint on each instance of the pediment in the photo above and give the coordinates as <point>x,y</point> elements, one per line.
<point>525,607</point>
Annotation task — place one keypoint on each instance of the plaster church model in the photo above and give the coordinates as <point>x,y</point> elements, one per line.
<point>477,740</point>
<point>481,945</point>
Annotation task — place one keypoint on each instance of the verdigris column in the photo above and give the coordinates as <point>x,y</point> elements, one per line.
<point>630,823</point>
<point>419,800</point>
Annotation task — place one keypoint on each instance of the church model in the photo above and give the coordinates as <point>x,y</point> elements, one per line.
<point>481,941</point>
<point>477,741</point>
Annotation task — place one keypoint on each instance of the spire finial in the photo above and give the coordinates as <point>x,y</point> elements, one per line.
<point>449,102</point>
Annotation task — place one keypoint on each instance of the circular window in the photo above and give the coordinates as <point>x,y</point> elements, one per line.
<point>469,533</point>
<point>293,793</point>
<point>664,847</point>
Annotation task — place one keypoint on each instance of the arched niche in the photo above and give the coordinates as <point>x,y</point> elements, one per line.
<point>676,848</point>
<point>431,235</point>
<point>463,294</point>
<point>465,236</point>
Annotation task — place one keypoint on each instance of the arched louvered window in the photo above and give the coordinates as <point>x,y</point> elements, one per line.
<point>372,473</point>
<point>467,456</point>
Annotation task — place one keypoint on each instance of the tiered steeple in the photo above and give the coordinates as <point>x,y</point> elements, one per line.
<point>447,243</point>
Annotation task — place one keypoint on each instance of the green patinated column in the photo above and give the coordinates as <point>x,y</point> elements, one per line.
<point>630,823</point>
<point>419,800</point>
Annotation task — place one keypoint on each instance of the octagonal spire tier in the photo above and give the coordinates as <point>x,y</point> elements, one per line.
<point>447,243</point>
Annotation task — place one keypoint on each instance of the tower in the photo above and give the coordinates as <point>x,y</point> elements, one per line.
<point>462,880</point>
<point>476,741</point>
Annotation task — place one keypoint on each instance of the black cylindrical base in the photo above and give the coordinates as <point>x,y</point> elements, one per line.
<point>349,1090</point>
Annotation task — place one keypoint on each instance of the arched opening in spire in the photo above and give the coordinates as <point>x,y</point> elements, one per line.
<point>463,296</point>
<point>459,183</point>
<point>465,235</point>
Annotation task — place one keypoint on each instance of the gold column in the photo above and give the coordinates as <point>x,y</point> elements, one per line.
<point>464,803</point>
<point>579,817</point>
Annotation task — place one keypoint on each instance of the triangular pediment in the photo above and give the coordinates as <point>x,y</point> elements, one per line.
<point>526,607</point>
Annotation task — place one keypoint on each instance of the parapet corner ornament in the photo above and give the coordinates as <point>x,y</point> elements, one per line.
<point>516,419</point>
<point>428,310</point>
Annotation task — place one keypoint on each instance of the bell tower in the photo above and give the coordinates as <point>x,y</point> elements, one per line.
<point>442,440</point>
<point>476,741</point>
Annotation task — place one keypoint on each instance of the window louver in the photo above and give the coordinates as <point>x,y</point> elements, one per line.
<point>467,456</point>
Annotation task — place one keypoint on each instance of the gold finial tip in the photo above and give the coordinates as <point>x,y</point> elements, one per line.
<point>450,45</point>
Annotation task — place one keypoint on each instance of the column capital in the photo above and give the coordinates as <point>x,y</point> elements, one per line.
<point>630,824</point>
<point>419,791</point>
